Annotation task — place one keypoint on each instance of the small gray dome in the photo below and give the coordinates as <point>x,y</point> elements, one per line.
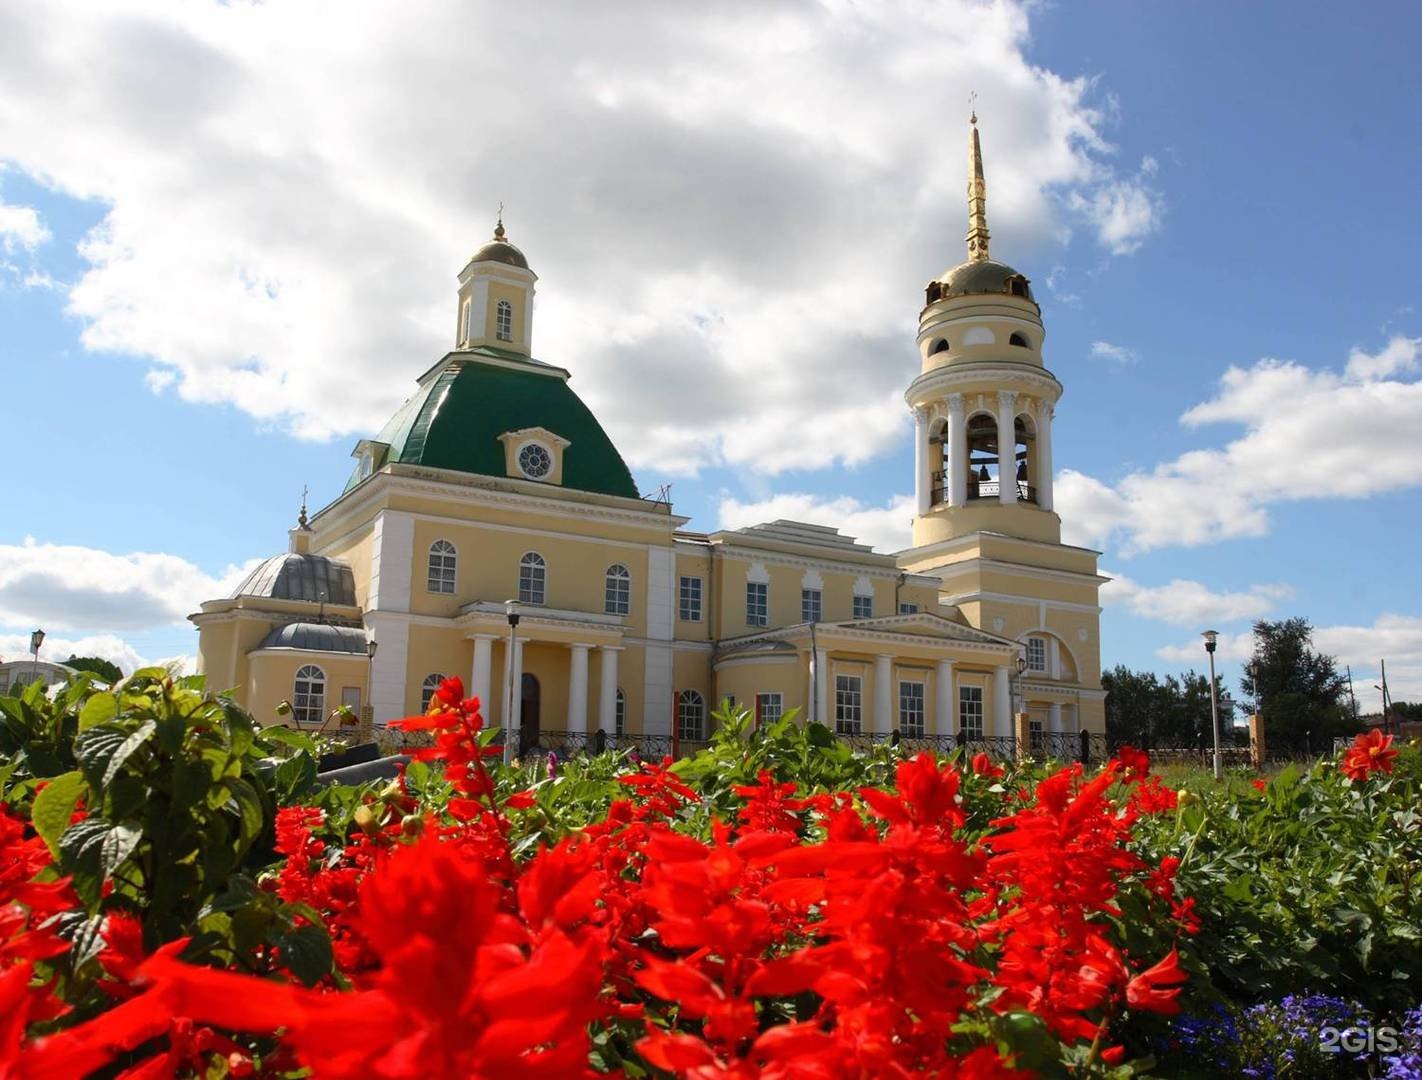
<point>983,276</point>
<point>294,576</point>
<point>317,637</point>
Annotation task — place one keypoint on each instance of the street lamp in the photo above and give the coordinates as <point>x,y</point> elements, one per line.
<point>370,646</point>
<point>36,640</point>
<point>510,730</point>
<point>1211,636</point>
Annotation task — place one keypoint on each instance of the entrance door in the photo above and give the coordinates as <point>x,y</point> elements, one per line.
<point>528,716</point>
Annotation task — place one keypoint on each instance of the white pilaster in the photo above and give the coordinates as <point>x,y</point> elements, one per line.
<point>1044,457</point>
<point>1054,658</point>
<point>1054,718</point>
<point>1002,702</point>
<point>387,671</point>
<point>825,711</point>
<point>956,466</point>
<point>922,482</point>
<point>392,561</point>
<point>607,690</point>
<point>945,706</point>
<point>1006,447</point>
<point>578,687</point>
<point>481,675</point>
<point>883,719</point>
<point>657,690</point>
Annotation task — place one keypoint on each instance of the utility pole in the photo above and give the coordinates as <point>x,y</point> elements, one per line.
<point>1387,701</point>
<point>1353,701</point>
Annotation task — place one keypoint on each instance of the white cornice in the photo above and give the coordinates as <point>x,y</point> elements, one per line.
<point>1025,601</point>
<point>944,547</point>
<point>1002,375</point>
<point>885,567</point>
<point>978,565</point>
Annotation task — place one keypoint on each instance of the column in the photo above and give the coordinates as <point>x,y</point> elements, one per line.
<point>882,722</point>
<point>1006,447</point>
<point>1054,658</point>
<point>945,704</point>
<point>922,483</point>
<point>607,691</point>
<point>826,704</point>
<point>956,460</point>
<point>1054,718</point>
<point>515,687</point>
<point>1044,457</point>
<point>578,687</point>
<point>810,688</point>
<point>1002,702</point>
<point>481,680</point>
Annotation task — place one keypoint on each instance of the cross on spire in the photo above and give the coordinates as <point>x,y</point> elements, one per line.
<point>301,517</point>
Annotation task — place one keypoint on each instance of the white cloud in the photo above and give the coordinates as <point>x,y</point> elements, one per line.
<point>1116,354</point>
<point>1190,603</point>
<point>1309,434</point>
<point>733,209</point>
<point>21,228</point>
<point>887,528</point>
<point>67,587</point>
<point>110,647</point>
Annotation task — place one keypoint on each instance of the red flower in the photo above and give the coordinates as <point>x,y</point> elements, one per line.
<point>1371,752</point>
<point>983,766</point>
<point>1259,785</point>
<point>1135,762</point>
<point>1157,988</point>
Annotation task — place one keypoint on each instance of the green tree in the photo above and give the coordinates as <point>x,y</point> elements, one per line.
<point>106,670</point>
<point>1143,710</point>
<point>1296,688</point>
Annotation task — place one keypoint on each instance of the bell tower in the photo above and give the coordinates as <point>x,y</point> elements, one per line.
<point>983,401</point>
<point>495,307</point>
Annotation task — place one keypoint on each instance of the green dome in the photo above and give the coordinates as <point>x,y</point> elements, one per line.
<point>982,276</point>
<point>462,407</point>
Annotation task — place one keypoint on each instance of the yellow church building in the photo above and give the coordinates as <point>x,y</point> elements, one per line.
<point>494,497</point>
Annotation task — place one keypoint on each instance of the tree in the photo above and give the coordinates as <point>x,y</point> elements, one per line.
<point>1297,689</point>
<point>1144,711</point>
<point>106,670</point>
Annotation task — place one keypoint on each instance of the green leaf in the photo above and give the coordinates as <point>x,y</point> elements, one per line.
<point>91,850</point>
<point>54,806</point>
<point>99,709</point>
<point>102,751</point>
<point>306,951</point>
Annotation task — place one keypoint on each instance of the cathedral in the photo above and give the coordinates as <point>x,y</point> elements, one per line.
<point>491,530</point>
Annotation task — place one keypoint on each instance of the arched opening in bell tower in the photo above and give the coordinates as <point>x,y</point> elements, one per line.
<point>938,461</point>
<point>982,463</point>
<point>1025,457</point>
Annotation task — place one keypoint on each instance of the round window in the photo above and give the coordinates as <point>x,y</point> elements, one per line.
<point>535,461</point>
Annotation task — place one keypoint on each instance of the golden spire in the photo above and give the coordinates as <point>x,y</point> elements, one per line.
<point>499,228</point>
<point>977,197</point>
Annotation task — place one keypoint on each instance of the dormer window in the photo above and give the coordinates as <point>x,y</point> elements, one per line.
<point>503,321</point>
<point>1017,286</point>
<point>535,461</point>
<point>1020,340</point>
<point>940,346</point>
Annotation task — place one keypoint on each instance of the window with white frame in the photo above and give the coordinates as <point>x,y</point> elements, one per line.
<point>308,696</point>
<point>619,713</point>
<point>911,708</point>
<point>768,707</point>
<point>848,704</point>
<point>757,603</point>
<point>442,567</point>
<point>1037,734</point>
<point>532,578</point>
<point>863,607</point>
<point>907,608</point>
<point>811,605</point>
<point>690,599</point>
<point>503,321</point>
<point>691,715</point>
<point>617,598</point>
<point>970,711</point>
<point>427,690</point>
<point>1036,654</point>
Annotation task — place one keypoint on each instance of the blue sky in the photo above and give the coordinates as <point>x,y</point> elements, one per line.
<point>229,236</point>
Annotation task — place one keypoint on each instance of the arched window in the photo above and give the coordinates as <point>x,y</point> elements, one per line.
<point>308,697</point>
<point>618,598</point>
<point>503,321</point>
<point>619,715</point>
<point>532,578</point>
<point>464,323</point>
<point>940,346</point>
<point>1020,340</point>
<point>427,690</point>
<point>691,715</point>
<point>442,561</point>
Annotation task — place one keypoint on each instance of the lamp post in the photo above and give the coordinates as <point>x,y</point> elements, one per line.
<point>36,640</point>
<point>510,731</point>
<point>1211,636</point>
<point>370,646</point>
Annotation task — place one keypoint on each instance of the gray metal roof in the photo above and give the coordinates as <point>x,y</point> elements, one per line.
<point>317,637</point>
<point>301,577</point>
<point>983,276</point>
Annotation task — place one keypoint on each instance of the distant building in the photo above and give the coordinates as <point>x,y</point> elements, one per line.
<point>17,673</point>
<point>495,482</point>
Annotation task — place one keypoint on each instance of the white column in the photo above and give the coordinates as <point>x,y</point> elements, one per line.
<point>1054,718</point>
<point>481,679</point>
<point>1001,702</point>
<point>809,710</point>
<point>882,721</point>
<point>607,691</point>
<point>578,687</point>
<point>1006,447</point>
<point>945,708</point>
<point>516,688</point>
<point>922,483</point>
<point>1044,457</point>
<point>956,462</point>
<point>826,709</point>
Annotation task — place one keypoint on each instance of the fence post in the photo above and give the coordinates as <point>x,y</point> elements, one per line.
<point>1085,756</point>
<point>1257,747</point>
<point>1022,735</point>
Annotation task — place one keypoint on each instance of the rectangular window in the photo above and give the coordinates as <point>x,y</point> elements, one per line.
<point>767,708</point>
<point>1037,654</point>
<point>908,609</point>
<point>863,607</point>
<point>911,709</point>
<point>811,605</point>
<point>848,704</point>
<point>1036,732</point>
<point>970,711</point>
<point>690,599</point>
<point>757,603</point>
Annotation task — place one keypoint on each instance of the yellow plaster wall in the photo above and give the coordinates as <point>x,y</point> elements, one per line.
<point>273,674</point>
<point>435,650</point>
<point>354,548</point>
<point>745,680</point>
<point>691,563</point>
<point>517,298</point>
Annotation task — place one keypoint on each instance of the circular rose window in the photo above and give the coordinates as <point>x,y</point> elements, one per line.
<point>535,461</point>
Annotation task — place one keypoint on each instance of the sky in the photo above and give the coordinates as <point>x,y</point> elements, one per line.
<point>230,233</point>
